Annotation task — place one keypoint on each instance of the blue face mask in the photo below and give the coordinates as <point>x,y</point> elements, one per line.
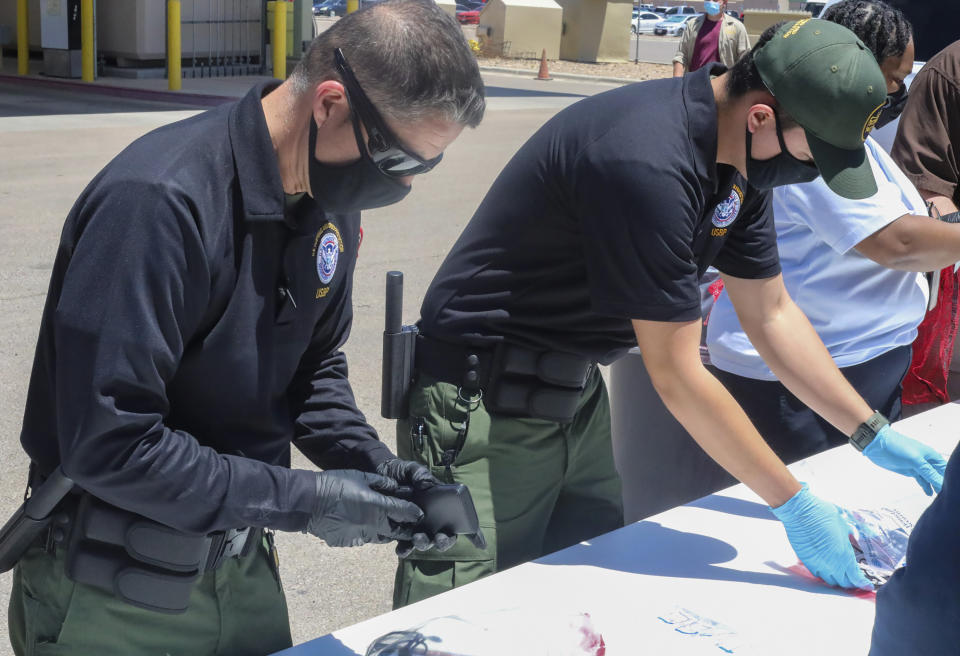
<point>712,8</point>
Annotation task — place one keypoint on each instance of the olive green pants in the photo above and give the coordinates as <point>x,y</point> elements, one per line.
<point>538,486</point>
<point>238,609</point>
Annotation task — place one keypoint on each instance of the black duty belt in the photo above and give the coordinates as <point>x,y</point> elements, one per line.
<point>142,562</point>
<point>512,380</point>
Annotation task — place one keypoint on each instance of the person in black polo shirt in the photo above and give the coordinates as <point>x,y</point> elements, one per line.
<point>592,240</point>
<point>198,304</point>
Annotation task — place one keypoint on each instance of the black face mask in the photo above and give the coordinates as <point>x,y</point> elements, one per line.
<point>777,171</point>
<point>893,107</point>
<point>351,187</point>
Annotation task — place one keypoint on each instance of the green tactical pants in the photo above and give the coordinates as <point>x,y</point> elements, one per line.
<point>538,486</point>
<point>238,609</point>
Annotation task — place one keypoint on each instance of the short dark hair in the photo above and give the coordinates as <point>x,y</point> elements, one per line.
<point>744,77</point>
<point>882,28</point>
<point>410,57</point>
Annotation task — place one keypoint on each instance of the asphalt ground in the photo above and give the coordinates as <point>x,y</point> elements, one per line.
<point>52,142</point>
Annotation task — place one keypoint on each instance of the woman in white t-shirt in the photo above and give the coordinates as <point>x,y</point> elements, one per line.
<point>850,266</point>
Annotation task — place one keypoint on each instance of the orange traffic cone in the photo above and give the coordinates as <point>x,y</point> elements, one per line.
<point>543,74</point>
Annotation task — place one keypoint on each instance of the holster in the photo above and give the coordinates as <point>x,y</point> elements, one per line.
<point>143,562</point>
<point>397,374</point>
<point>399,343</point>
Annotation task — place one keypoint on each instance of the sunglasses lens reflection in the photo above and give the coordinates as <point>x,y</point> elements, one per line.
<point>398,163</point>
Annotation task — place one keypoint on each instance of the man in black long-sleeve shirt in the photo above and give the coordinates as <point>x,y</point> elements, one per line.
<point>198,303</point>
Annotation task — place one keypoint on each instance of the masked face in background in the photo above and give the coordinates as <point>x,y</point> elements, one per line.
<point>893,107</point>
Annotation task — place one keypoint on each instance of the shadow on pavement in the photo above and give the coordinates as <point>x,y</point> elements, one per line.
<point>508,92</point>
<point>23,100</point>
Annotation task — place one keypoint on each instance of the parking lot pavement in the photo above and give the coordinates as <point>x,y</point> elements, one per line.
<point>52,142</point>
<point>653,49</point>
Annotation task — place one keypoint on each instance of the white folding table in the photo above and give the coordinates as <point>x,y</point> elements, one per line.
<point>724,557</point>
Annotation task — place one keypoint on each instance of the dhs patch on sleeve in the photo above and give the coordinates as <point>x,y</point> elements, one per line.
<point>727,210</point>
<point>327,248</point>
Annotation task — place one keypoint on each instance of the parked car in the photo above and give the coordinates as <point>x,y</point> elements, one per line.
<point>673,25</point>
<point>644,22</point>
<point>469,17</point>
<point>660,10</point>
<point>682,9</point>
<point>330,8</point>
<point>468,11</point>
<point>735,14</point>
<point>644,8</point>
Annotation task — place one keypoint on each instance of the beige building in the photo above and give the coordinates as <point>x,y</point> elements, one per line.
<point>521,28</point>
<point>593,30</point>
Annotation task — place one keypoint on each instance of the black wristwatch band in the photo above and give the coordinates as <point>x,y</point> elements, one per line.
<point>868,430</point>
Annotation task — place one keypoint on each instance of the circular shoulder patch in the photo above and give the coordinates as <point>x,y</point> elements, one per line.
<point>328,253</point>
<point>727,210</point>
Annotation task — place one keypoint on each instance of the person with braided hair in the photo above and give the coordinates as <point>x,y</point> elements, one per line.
<point>842,260</point>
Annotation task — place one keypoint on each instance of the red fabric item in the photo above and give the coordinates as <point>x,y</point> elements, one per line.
<point>716,288</point>
<point>706,48</point>
<point>926,380</point>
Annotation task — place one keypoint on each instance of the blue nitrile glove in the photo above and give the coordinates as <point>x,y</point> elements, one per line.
<point>819,535</point>
<point>903,455</point>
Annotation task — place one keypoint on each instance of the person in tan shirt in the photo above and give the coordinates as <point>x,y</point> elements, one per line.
<point>713,37</point>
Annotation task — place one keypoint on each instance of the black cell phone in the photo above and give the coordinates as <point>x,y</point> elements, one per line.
<point>447,508</point>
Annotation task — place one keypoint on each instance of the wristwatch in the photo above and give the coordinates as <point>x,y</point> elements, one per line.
<point>868,430</point>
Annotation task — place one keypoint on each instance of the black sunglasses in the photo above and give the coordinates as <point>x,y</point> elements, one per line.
<point>384,147</point>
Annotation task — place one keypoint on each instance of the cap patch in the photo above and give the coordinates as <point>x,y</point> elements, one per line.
<point>796,28</point>
<point>871,121</point>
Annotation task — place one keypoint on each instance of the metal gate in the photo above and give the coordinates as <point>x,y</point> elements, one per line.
<point>222,37</point>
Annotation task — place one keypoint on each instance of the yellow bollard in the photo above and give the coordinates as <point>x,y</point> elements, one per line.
<point>87,56</point>
<point>279,38</point>
<point>174,76</point>
<point>23,39</point>
<point>352,6</point>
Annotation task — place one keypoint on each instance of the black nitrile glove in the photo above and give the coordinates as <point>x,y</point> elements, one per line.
<point>418,476</point>
<point>354,508</point>
<point>408,473</point>
<point>413,474</point>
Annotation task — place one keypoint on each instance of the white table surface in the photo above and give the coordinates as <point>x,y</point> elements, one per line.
<point>724,557</point>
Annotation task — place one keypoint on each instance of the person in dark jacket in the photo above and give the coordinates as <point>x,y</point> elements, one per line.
<point>192,332</point>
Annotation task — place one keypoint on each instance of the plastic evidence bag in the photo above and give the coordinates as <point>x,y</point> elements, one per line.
<point>880,541</point>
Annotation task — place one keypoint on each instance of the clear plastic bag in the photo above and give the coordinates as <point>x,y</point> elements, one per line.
<point>880,542</point>
<point>509,632</point>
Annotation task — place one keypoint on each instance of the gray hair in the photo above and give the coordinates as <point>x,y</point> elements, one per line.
<point>410,57</point>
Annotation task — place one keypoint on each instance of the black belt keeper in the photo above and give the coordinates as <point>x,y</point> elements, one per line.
<point>514,380</point>
<point>143,562</point>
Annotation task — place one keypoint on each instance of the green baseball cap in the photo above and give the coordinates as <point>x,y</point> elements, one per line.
<point>830,83</point>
